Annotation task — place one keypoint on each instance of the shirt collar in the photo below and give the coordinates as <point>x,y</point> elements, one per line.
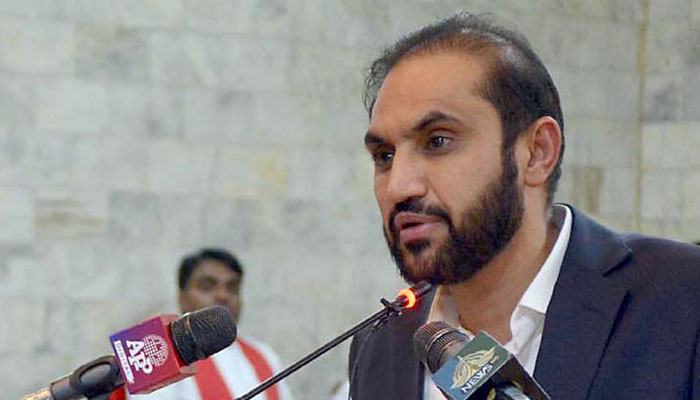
<point>539,293</point>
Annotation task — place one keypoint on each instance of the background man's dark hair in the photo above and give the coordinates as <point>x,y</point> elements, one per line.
<point>190,262</point>
<point>517,83</point>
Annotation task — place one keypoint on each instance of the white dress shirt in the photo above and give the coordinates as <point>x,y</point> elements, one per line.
<point>527,320</point>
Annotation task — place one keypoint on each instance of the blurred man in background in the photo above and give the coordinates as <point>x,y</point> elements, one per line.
<point>214,277</point>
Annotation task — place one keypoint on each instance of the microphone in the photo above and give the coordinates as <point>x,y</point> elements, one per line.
<point>156,353</point>
<point>473,369</point>
<point>159,351</point>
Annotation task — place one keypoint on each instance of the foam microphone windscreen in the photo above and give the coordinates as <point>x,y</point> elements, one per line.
<point>200,334</point>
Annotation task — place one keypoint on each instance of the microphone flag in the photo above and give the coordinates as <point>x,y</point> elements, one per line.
<point>147,356</point>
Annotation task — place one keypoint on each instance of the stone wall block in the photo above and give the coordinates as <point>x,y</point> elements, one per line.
<point>342,123</point>
<point>231,222</point>
<point>695,10</point>
<point>142,112</point>
<point>17,215</point>
<point>36,47</point>
<point>668,46</point>
<point>269,17</point>
<point>23,331</point>
<point>67,215</point>
<point>581,185</point>
<point>17,100</point>
<point>289,120</point>
<point>577,139</point>
<point>111,53</point>
<point>359,227</point>
<point>347,23</point>
<point>183,221</point>
<point>187,59</point>
<point>364,177</point>
<point>618,193</point>
<point>626,10</point>
<point>15,156</point>
<point>80,162</point>
<point>326,71</point>
<point>662,195</point>
<point>321,175</point>
<point>256,64</point>
<point>691,195</point>
<point>44,367</point>
<point>94,272</point>
<point>622,90</point>
<point>296,224</point>
<point>14,277</point>
<point>690,89</point>
<point>180,167</point>
<point>30,8</point>
<point>665,145</point>
<point>249,172</point>
<point>130,13</point>
<point>669,10</point>
<point>134,218</point>
<point>693,144</point>
<point>47,272</point>
<point>124,163</point>
<point>583,93</point>
<point>72,106</point>
<point>690,230</point>
<point>151,220</point>
<point>663,97</point>
<point>614,144</point>
<point>223,116</point>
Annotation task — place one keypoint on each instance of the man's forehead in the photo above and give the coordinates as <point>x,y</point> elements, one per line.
<point>446,82</point>
<point>215,269</point>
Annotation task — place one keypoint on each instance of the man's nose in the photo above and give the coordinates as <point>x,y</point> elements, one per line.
<point>406,178</point>
<point>221,295</point>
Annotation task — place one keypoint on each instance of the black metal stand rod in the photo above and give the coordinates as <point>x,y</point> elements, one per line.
<point>379,315</point>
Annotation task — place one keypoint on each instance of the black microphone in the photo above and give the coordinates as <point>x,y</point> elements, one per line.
<point>473,369</point>
<point>195,336</point>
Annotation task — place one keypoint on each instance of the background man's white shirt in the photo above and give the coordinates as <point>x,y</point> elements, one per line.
<point>235,369</point>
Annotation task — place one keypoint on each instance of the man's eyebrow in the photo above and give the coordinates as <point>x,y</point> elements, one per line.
<point>372,139</point>
<point>431,118</point>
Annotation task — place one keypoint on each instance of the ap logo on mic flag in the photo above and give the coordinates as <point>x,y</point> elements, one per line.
<point>145,354</point>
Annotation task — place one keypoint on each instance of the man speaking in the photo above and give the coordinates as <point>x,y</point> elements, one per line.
<point>467,135</point>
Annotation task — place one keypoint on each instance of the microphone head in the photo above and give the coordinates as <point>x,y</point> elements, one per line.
<point>198,335</point>
<point>436,342</point>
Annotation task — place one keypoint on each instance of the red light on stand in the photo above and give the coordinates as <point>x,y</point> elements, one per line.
<point>409,298</point>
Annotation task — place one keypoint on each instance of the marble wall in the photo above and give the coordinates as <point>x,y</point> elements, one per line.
<point>132,132</point>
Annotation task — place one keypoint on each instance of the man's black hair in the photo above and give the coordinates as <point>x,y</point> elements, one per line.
<point>517,82</point>
<point>190,262</point>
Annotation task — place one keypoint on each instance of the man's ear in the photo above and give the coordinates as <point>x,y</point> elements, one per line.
<point>543,141</point>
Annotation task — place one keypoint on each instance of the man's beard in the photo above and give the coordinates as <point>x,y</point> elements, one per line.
<point>485,230</point>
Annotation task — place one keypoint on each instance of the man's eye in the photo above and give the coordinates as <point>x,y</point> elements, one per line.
<point>382,158</point>
<point>437,142</point>
<point>206,284</point>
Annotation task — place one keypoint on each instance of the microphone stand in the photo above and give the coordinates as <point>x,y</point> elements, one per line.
<point>391,309</point>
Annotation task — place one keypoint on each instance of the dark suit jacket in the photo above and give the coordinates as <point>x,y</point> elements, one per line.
<point>623,323</point>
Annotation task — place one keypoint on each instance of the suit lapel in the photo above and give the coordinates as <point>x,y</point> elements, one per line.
<point>582,311</point>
